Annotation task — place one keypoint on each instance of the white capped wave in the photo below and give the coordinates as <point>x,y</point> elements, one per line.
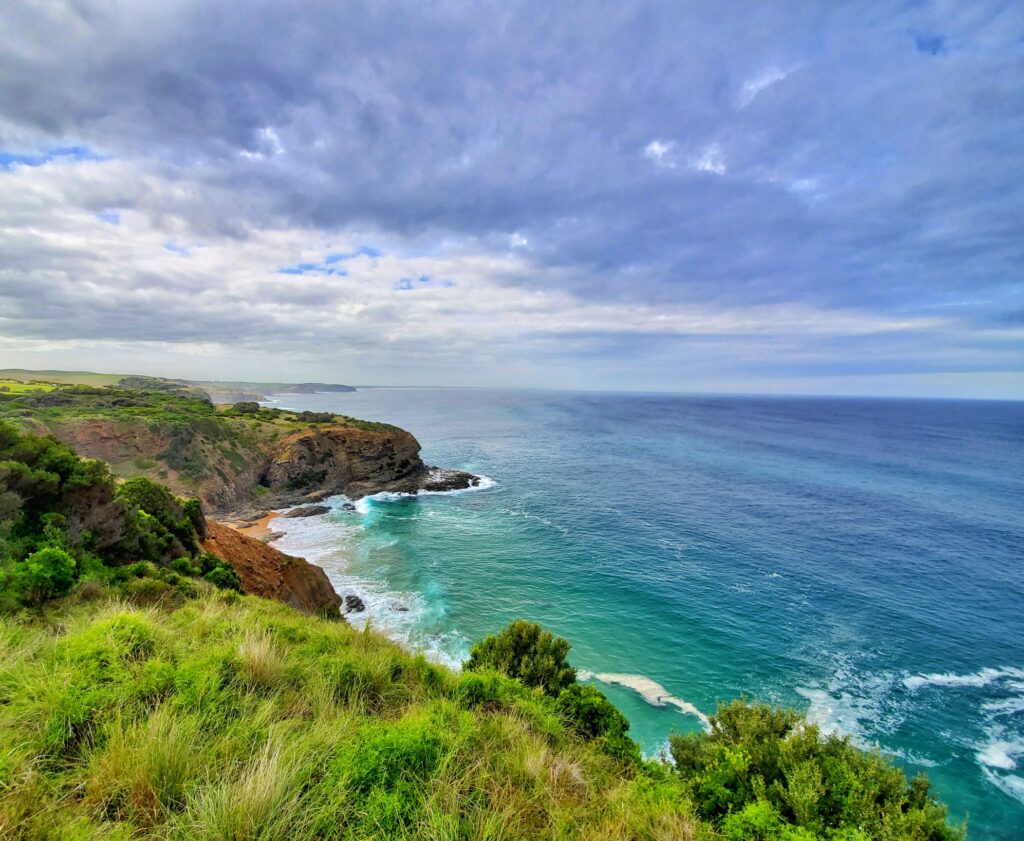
<point>980,678</point>
<point>650,690</point>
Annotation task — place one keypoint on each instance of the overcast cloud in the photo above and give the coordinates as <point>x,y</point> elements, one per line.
<point>790,196</point>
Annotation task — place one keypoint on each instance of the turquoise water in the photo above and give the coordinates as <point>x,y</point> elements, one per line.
<point>858,559</point>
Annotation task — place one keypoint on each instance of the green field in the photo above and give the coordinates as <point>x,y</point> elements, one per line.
<point>21,387</point>
<point>70,377</point>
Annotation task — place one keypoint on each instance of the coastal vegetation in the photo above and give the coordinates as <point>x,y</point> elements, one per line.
<point>172,433</point>
<point>142,696</point>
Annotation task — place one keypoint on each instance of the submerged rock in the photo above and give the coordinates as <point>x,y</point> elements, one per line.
<point>348,506</point>
<point>307,511</point>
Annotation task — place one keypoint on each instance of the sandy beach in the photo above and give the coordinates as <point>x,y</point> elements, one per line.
<point>260,529</point>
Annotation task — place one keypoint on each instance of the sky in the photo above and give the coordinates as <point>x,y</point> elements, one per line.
<point>786,197</point>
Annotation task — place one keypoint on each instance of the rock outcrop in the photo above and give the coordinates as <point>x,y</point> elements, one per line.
<point>307,511</point>
<point>265,571</point>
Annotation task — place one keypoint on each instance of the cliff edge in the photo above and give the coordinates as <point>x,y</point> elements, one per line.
<point>235,458</point>
<point>265,571</point>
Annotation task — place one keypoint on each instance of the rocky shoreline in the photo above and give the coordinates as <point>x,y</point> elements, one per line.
<point>424,480</point>
<point>306,585</point>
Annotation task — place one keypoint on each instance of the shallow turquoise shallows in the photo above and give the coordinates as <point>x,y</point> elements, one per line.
<point>862,560</point>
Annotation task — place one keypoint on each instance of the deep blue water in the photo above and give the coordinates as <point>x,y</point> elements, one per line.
<point>862,560</point>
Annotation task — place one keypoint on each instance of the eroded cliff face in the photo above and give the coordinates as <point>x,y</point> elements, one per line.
<point>341,460</point>
<point>264,571</point>
<point>248,471</point>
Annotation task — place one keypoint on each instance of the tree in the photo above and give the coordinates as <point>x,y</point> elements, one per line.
<point>525,651</point>
<point>43,575</point>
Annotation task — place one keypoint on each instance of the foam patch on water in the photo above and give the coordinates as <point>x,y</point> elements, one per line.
<point>650,690</point>
<point>979,679</point>
<point>854,703</point>
<point>1007,783</point>
<point>865,707</point>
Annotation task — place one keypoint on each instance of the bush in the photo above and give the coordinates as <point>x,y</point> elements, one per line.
<point>167,518</point>
<point>186,566</point>
<point>589,712</point>
<point>525,651</point>
<point>765,773</point>
<point>594,717</point>
<point>44,575</point>
<point>224,577</point>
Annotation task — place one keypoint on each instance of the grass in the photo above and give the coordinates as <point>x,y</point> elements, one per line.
<point>233,717</point>
<point>21,387</point>
<point>67,377</point>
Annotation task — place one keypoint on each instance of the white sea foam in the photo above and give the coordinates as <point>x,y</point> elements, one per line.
<point>1000,753</point>
<point>1008,783</point>
<point>650,690</point>
<point>406,617</point>
<point>981,678</point>
<point>841,714</point>
<point>363,504</point>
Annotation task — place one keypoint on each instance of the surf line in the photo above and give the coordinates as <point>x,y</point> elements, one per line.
<point>650,690</point>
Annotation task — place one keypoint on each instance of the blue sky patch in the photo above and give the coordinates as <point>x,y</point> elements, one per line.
<point>9,160</point>
<point>362,251</point>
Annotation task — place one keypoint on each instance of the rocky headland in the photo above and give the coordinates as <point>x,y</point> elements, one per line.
<point>241,461</point>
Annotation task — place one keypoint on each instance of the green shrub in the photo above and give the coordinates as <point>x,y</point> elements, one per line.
<point>166,516</point>
<point>186,566</point>
<point>767,773</point>
<point>224,577</point>
<point>44,575</point>
<point>527,652</point>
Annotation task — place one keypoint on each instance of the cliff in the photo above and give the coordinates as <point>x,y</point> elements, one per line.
<point>233,458</point>
<point>264,571</point>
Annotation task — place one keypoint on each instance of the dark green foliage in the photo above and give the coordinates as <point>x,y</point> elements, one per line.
<point>172,522</point>
<point>765,773</point>
<point>186,566</point>
<point>62,518</point>
<point>525,651</point>
<point>43,575</point>
<point>594,717</point>
<point>316,417</point>
<point>589,711</point>
<point>224,576</point>
<point>246,407</point>
<point>307,478</point>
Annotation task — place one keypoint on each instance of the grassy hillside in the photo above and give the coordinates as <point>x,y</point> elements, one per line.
<point>219,390</point>
<point>243,719</point>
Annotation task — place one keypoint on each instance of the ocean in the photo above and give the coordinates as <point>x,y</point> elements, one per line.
<point>860,560</point>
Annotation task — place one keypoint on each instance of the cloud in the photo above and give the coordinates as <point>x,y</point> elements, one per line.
<point>710,160</point>
<point>659,152</point>
<point>555,164</point>
<point>763,80</point>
